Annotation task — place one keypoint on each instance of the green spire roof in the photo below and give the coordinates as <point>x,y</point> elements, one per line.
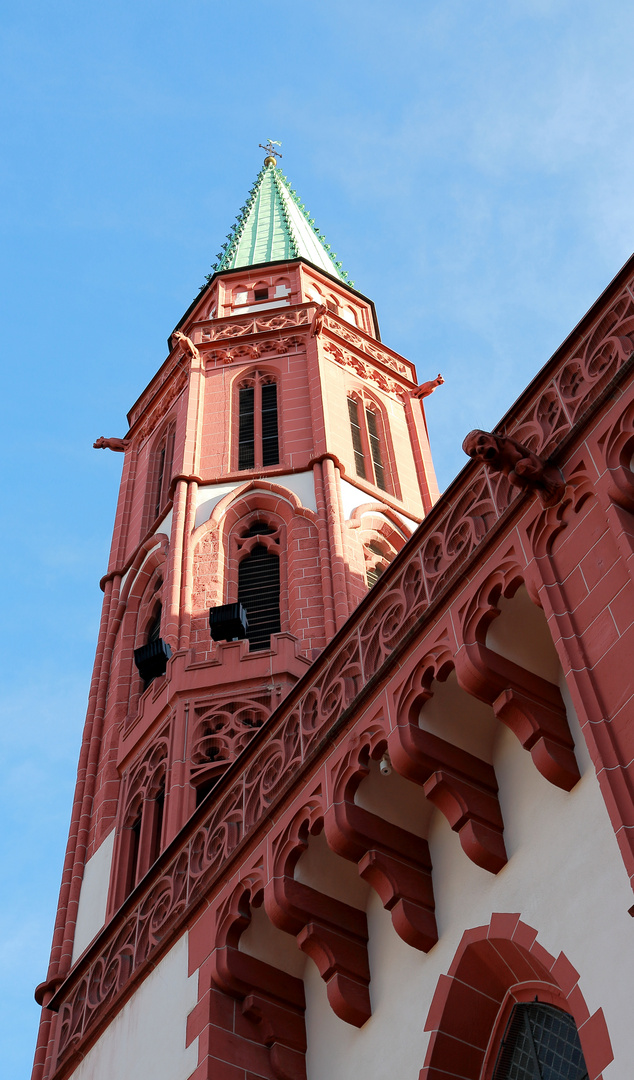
<point>273,224</point>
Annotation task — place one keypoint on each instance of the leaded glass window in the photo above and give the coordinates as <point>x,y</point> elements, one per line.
<point>540,1043</point>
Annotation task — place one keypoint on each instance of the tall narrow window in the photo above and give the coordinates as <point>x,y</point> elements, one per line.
<point>375,449</point>
<point>258,428</point>
<point>246,434</point>
<point>367,443</point>
<point>160,475</point>
<point>540,1043</point>
<point>357,442</point>
<point>270,448</point>
<point>157,823</point>
<point>132,861</point>
<point>259,590</point>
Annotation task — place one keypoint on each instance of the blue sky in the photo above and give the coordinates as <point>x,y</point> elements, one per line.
<point>471,163</point>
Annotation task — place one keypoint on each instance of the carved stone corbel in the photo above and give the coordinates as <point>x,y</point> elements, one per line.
<point>271,999</point>
<point>530,706</point>
<point>331,932</point>
<point>395,862</point>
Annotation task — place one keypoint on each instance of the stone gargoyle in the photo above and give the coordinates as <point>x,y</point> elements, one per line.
<point>524,469</point>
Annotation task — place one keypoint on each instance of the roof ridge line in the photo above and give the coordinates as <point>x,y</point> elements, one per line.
<point>332,255</point>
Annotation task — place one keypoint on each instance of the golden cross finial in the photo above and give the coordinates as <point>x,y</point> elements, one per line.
<point>271,152</point>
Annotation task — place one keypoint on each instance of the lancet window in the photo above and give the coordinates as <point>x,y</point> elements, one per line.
<point>367,428</point>
<point>160,475</point>
<point>258,434</point>
<point>259,583</point>
<point>142,831</point>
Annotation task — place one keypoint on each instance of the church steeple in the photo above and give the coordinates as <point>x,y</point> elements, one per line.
<point>275,225</point>
<point>274,465</point>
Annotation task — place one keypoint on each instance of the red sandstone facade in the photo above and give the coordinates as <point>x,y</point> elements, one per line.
<point>286,739</point>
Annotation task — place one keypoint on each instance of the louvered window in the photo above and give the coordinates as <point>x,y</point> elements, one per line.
<point>259,590</point>
<point>270,448</point>
<point>246,435</point>
<point>357,442</point>
<point>375,449</point>
<point>258,435</point>
<point>367,444</point>
<point>540,1043</point>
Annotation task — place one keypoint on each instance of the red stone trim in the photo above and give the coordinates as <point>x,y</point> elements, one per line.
<point>332,933</point>
<point>419,598</point>
<point>395,862</point>
<point>494,967</point>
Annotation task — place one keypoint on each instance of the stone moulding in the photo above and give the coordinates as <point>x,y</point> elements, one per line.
<point>397,613</point>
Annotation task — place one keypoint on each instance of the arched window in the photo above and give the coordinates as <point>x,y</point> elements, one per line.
<point>159,475</point>
<point>259,588</point>
<point>540,1043</point>
<point>258,438</point>
<point>368,442</point>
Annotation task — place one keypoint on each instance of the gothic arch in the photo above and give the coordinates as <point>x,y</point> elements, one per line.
<point>160,465</point>
<point>290,521</point>
<point>365,400</point>
<point>494,967</point>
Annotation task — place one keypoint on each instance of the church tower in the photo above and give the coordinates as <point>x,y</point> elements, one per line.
<point>272,468</point>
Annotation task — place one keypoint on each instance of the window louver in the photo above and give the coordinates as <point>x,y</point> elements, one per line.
<point>270,446</point>
<point>375,449</point>
<point>246,432</point>
<point>357,444</point>
<point>259,593</point>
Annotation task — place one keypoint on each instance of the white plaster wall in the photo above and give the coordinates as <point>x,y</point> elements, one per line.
<point>352,496</point>
<point>564,876</point>
<point>147,1038</point>
<point>301,484</point>
<point>91,910</point>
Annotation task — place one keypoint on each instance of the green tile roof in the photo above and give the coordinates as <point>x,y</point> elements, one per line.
<point>274,224</point>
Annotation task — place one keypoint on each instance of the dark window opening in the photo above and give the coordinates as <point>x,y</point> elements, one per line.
<point>374,574</point>
<point>270,446</point>
<point>154,629</point>
<point>375,449</point>
<point>259,593</point>
<point>261,294</point>
<point>258,430</point>
<point>163,473</point>
<point>133,855</point>
<point>202,790</point>
<point>151,658</point>
<point>259,528</point>
<point>157,824</point>
<point>540,1043</point>
<point>246,433</point>
<point>357,443</point>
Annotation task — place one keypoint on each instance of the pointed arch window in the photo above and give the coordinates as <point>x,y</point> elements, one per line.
<point>259,586</point>
<point>367,428</point>
<point>160,475</point>
<point>258,429</point>
<point>540,1043</point>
